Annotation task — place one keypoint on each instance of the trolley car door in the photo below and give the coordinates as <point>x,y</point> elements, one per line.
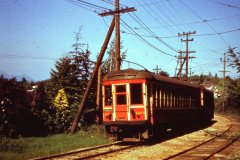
<point>121,102</point>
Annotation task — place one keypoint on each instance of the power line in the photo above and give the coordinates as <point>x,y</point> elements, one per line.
<point>186,6</point>
<point>14,56</point>
<point>88,6</point>
<point>79,5</point>
<point>140,22</point>
<point>166,13</point>
<point>197,35</point>
<point>144,40</point>
<point>152,3</point>
<point>109,2</point>
<point>155,15</point>
<point>224,4</point>
<point>92,5</point>
<point>196,22</point>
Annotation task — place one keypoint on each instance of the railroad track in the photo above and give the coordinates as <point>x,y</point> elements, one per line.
<point>91,152</point>
<point>214,142</point>
<point>212,148</point>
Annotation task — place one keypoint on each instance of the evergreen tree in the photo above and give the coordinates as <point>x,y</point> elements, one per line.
<point>72,74</point>
<point>63,77</point>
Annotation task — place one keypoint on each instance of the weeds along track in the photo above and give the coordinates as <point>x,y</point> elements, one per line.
<point>92,152</point>
<point>218,147</point>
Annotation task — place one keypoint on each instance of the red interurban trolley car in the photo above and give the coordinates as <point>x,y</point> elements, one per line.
<point>136,102</point>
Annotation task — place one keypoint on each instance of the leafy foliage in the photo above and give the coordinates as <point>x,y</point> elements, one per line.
<point>234,94</point>
<point>60,101</point>
<point>16,118</point>
<point>72,74</point>
<point>109,63</point>
<point>235,57</point>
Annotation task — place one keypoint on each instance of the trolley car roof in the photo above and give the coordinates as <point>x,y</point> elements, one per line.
<point>143,74</point>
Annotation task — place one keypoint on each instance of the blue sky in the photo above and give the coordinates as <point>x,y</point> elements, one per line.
<point>36,33</point>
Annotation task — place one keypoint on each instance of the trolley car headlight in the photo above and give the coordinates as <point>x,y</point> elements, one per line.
<point>107,110</point>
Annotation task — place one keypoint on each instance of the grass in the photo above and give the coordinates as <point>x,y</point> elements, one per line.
<point>32,147</point>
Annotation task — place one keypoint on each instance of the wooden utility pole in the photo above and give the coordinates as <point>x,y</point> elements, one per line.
<point>116,13</point>
<point>157,69</point>
<point>95,71</point>
<point>180,62</point>
<point>100,57</point>
<point>98,88</point>
<point>224,79</point>
<point>187,57</point>
<point>117,37</point>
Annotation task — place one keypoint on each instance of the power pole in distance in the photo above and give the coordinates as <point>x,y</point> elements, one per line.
<point>157,69</point>
<point>187,57</point>
<point>224,60</point>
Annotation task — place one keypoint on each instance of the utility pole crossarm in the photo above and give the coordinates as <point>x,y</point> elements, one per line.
<point>186,57</point>
<point>117,11</point>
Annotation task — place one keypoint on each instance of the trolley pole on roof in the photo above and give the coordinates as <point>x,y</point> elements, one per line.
<point>116,14</point>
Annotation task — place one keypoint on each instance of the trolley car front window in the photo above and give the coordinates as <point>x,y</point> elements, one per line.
<point>121,99</point>
<point>121,94</point>
<point>136,93</point>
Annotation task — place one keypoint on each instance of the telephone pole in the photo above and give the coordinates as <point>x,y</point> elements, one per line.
<point>157,69</point>
<point>116,14</point>
<point>186,57</point>
<point>224,60</point>
<point>100,57</point>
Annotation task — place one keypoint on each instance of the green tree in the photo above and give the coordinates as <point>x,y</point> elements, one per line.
<point>16,118</point>
<point>72,73</point>
<point>234,94</point>
<point>235,58</point>
<point>40,98</point>
<point>109,63</point>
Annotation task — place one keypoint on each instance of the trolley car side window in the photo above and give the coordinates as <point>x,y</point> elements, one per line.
<point>136,93</point>
<point>108,95</point>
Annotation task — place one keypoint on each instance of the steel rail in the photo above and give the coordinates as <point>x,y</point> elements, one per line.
<point>76,151</point>
<point>205,142</point>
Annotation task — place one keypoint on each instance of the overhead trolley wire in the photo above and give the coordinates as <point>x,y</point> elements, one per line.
<point>224,4</point>
<point>88,6</point>
<point>186,6</point>
<point>144,40</point>
<point>196,22</point>
<point>140,22</point>
<point>154,15</point>
<point>92,5</point>
<point>166,12</point>
<point>79,5</point>
<point>195,35</point>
